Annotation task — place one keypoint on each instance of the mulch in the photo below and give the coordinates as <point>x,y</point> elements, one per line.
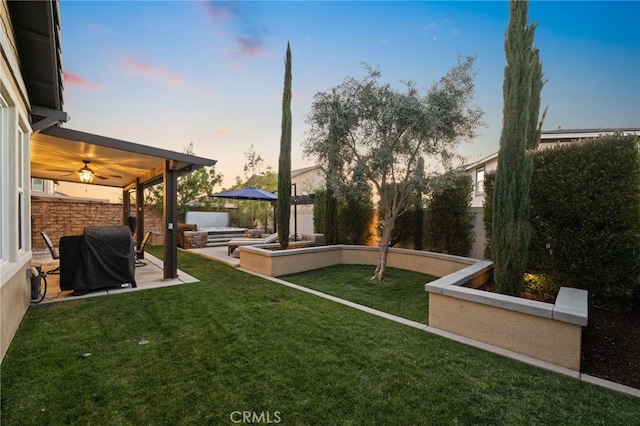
<point>611,346</point>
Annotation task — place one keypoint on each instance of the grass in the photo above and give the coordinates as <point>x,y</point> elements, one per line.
<point>401,293</point>
<point>235,342</point>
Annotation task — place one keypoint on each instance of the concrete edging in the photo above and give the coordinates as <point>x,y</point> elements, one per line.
<point>461,339</point>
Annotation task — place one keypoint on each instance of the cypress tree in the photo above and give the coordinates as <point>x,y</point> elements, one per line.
<point>283,207</point>
<point>331,225</point>
<point>521,92</point>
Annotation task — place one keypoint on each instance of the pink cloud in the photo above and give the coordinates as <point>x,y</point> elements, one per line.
<point>220,11</point>
<point>250,47</point>
<point>75,79</point>
<point>137,67</point>
<point>222,133</point>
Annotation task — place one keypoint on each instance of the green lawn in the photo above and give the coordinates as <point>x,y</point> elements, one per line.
<point>235,343</point>
<point>401,293</point>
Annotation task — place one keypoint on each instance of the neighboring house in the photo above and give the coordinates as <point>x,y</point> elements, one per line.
<point>307,180</point>
<point>548,139</point>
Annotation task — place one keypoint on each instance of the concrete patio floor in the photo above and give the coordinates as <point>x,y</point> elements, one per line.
<point>148,277</point>
<point>218,254</point>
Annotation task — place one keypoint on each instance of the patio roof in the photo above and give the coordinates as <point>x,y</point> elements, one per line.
<point>58,153</point>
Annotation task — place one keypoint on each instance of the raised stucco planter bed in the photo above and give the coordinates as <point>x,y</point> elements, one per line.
<point>262,259</point>
<point>551,332</point>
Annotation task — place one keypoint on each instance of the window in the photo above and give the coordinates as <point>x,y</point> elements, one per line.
<point>15,242</point>
<point>480,180</point>
<point>4,180</point>
<point>37,185</point>
<point>22,220</point>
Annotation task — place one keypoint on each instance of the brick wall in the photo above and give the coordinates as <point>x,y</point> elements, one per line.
<point>66,217</point>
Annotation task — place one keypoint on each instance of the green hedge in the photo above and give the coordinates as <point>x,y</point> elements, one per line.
<point>585,215</point>
<point>448,218</point>
<point>355,214</point>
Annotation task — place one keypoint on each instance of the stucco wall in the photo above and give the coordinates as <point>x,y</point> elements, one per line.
<point>15,295</point>
<point>553,341</point>
<point>15,291</point>
<point>277,263</point>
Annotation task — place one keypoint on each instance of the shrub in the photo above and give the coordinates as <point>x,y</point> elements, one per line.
<point>403,234</point>
<point>355,214</point>
<point>319,207</point>
<point>585,215</point>
<point>448,218</point>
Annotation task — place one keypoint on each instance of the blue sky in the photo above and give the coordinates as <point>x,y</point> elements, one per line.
<point>167,73</point>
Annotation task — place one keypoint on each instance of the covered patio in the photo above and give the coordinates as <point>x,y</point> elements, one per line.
<point>63,154</point>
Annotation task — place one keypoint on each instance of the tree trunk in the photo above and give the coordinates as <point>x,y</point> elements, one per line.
<point>389,223</point>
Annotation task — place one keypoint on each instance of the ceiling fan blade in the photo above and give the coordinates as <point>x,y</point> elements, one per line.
<point>60,170</point>
<point>107,175</point>
<point>100,176</point>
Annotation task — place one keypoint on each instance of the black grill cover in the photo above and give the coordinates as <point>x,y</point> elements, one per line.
<point>108,257</point>
<point>71,261</point>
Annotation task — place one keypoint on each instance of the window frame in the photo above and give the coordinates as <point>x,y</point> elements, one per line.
<point>479,190</point>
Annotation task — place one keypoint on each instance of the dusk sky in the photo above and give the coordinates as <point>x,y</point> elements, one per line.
<point>166,74</point>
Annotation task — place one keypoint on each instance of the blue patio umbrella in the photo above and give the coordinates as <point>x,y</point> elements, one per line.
<point>249,193</point>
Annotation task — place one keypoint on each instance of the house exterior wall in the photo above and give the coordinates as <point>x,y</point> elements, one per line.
<point>477,199</point>
<point>15,244</point>
<point>306,183</point>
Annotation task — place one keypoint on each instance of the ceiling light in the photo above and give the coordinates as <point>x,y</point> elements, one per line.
<point>86,176</point>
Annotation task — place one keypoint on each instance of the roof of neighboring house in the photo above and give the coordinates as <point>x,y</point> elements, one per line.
<point>594,131</point>
<point>304,170</point>
<point>562,135</point>
<point>481,161</point>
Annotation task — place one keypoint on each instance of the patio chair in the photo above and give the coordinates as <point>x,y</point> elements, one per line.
<point>237,242</point>
<point>140,251</point>
<point>54,250</point>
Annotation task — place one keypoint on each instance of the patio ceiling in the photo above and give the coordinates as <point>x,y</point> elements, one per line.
<point>58,153</point>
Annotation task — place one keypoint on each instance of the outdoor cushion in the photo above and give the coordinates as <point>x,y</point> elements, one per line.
<point>237,242</point>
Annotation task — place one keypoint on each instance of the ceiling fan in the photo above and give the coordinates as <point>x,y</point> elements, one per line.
<point>86,174</point>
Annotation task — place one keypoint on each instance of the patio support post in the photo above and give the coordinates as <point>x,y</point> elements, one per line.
<point>295,211</point>
<point>170,204</point>
<point>126,206</point>
<point>140,215</point>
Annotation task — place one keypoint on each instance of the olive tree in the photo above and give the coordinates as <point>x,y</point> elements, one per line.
<point>382,132</point>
